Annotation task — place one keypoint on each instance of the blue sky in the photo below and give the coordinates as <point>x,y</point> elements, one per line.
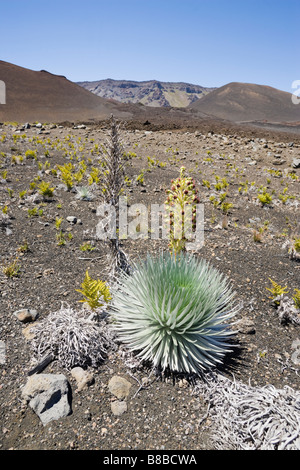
<point>205,42</point>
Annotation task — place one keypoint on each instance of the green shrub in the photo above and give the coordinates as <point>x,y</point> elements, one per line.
<point>12,269</point>
<point>66,174</point>
<point>45,190</point>
<point>264,197</point>
<point>296,245</point>
<point>96,293</point>
<point>296,298</point>
<point>32,212</point>
<point>30,154</point>
<point>276,290</point>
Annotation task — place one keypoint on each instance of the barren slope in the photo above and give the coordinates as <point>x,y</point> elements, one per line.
<point>32,95</point>
<point>244,102</point>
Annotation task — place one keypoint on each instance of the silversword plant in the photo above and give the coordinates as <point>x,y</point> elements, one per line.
<point>174,312</point>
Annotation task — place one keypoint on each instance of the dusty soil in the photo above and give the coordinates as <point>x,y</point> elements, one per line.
<point>165,414</point>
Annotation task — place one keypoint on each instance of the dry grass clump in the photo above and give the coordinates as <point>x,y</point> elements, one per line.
<point>71,338</point>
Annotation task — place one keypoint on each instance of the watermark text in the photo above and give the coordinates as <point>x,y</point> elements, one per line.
<point>141,222</point>
<point>296,94</point>
<point>2,92</point>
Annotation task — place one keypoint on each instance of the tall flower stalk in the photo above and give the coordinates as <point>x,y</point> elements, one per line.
<point>180,206</point>
<point>113,185</point>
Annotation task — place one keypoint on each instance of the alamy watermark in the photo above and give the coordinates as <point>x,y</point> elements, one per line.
<point>2,92</point>
<point>141,222</point>
<point>296,94</point>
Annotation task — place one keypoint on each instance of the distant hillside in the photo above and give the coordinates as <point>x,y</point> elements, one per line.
<point>42,96</point>
<point>150,93</point>
<point>245,102</point>
<point>45,97</point>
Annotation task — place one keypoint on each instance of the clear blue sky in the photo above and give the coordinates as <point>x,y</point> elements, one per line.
<point>205,42</point>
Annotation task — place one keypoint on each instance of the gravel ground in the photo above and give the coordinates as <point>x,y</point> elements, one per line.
<point>163,413</point>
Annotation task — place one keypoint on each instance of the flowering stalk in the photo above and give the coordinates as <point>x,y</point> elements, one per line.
<point>181,211</point>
